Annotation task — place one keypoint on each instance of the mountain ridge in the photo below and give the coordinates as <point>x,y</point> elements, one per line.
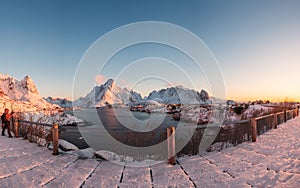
<point>111,94</point>
<point>21,95</point>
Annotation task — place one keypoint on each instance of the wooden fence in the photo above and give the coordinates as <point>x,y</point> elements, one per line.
<point>233,133</point>
<point>41,133</point>
<point>237,132</point>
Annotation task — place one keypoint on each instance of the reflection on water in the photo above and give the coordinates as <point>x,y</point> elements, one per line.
<point>137,134</point>
<point>132,128</point>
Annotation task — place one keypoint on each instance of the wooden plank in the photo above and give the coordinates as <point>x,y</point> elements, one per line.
<point>16,144</point>
<point>107,174</point>
<point>205,174</point>
<point>263,117</point>
<point>16,165</point>
<point>41,174</point>
<point>165,175</point>
<point>75,174</point>
<point>136,177</point>
<point>12,154</point>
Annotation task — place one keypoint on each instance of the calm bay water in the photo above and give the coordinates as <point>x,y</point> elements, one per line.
<point>109,126</point>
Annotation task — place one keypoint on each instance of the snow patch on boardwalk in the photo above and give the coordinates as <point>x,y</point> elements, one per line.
<point>272,161</point>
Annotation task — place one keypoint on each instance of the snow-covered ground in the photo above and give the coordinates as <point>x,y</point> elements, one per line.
<point>272,161</point>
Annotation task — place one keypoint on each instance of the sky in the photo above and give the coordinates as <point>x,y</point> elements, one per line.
<point>255,43</point>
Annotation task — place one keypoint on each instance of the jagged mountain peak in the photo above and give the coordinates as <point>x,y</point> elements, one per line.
<point>109,83</point>
<point>21,95</point>
<point>179,95</point>
<point>107,93</point>
<point>28,84</point>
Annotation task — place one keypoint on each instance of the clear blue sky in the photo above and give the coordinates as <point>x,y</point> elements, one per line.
<point>256,42</point>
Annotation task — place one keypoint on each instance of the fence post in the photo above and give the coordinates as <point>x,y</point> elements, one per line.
<point>254,129</point>
<point>55,139</point>
<point>285,116</point>
<point>275,121</point>
<point>171,145</point>
<point>16,128</point>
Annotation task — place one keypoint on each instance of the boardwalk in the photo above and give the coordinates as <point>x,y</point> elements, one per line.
<point>273,161</point>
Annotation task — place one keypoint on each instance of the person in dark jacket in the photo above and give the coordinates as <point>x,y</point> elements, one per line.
<point>6,122</point>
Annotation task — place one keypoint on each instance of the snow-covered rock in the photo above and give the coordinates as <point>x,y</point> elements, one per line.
<point>21,95</point>
<point>49,117</point>
<point>66,146</point>
<point>231,102</point>
<point>256,110</point>
<point>204,95</point>
<point>179,95</point>
<point>64,103</point>
<point>87,153</point>
<point>107,94</point>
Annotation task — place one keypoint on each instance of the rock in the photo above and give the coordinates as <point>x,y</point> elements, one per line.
<point>87,153</point>
<point>66,146</point>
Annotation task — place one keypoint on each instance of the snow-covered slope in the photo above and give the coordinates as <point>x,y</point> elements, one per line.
<point>108,93</point>
<point>64,103</point>
<point>179,95</point>
<point>21,95</point>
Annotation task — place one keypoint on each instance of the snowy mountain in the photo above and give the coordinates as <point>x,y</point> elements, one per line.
<point>21,95</point>
<point>179,95</point>
<point>108,93</point>
<point>64,103</point>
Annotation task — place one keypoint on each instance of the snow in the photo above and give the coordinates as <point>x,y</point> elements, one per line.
<point>106,175</point>
<point>108,93</point>
<point>198,114</point>
<point>50,117</point>
<point>64,103</point>
<point>75,174</point>
<point>67,145</point>
<point>272,161</point>
<point>169,176</point>
<point>179,95</point>
<point>256,111</point>
<point>87,153</point>
<point>20,96</point>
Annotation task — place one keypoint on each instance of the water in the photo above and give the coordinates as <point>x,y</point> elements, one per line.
<point>110,127</point>
<point>136,134</point>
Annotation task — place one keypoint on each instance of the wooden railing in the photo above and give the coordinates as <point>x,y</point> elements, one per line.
<point>37,132</point>
<point>238,132</point>
<point>233,133</point>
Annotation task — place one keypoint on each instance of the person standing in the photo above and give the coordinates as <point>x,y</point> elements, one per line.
<point>6,122</point>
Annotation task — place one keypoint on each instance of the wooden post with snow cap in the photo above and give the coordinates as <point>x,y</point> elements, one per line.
<point>275,121</point>
<point>55,139</point>
<point>171,145</point>
<point>254,129</point>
